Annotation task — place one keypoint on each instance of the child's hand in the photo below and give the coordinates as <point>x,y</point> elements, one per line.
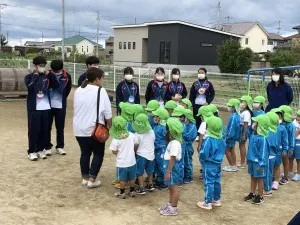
<point>167,176</point>
<point>259,169</point>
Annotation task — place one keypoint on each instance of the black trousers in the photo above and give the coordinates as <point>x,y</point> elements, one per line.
<point>59,116</point>
<point>88,146</point>
<point>37,130</point>
<point>197,118</point>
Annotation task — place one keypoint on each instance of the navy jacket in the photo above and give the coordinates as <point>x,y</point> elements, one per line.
<point>63,85</point>
<point>124,90</point>
<point>81,78</point>
<point>153,91</point>
<point>175,88</point>
<point>278,96</point>
<point>38,82</point>
<point>210,91</point>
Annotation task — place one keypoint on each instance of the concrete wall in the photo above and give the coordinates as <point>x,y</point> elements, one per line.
<point>255,36</point>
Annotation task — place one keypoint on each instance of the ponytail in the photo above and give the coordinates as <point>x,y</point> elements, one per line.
<point>91,75</point>
<point>84,83</point>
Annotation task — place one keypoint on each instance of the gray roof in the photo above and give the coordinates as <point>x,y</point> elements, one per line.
<point>296,27</point>
<point>273,36</point>
<point>238,28</point>
<point>34,43</point>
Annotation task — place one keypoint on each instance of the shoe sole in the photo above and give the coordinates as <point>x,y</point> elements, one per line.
<point>202,207</point>
<point>268,195</point>
<point>150,190</point>
<point>216,205</point>
<point>34,159</point>
<point>283,183</point>
<point>258,203</point>
<point>141,193</point>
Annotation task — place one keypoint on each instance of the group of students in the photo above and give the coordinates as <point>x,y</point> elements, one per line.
<point>46,102</point>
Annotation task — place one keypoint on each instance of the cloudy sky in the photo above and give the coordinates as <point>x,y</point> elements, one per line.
<point>25,20</point>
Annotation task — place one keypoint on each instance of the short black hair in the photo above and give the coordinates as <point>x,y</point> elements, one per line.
<point>91,75</point>
<point>128,70</point>
<point>92,60</point>
<point>175,71</point>
<point>202,68</point>
<point>160,69</point>
<point>39,60</point>
<point>57,65</point>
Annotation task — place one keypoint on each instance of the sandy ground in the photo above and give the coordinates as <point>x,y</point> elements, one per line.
<point>49,191</point>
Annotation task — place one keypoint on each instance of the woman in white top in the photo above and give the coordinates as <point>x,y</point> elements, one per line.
<point>84,121</point>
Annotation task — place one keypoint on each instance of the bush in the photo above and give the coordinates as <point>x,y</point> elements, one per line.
<point>282,58</point>
<point>232,58</point>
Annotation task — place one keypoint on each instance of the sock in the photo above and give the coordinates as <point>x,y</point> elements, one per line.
<point>131,189</point>
<point>122,191</point>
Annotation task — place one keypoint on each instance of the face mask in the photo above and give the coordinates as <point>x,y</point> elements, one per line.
<point>229,109</point>
<point>176,77</point>
<point>256,105</point>
<point>41,69</point>
<point>280,121</point>
<point>58,73</point>
<point>94,66</point>
<point>275,78</point>
<point>160,77</point>
<point>201,76</point>
<point>128,76</point>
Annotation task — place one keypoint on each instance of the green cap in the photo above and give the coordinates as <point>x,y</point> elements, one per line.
<point>274,121</point>
<point>175,128</point>
<point>127,111</point>
<point>189,115</point>
<point>287,113</point>
<point>214,127</point>
<point>213,108</point>
<point>141,124</point>
<point>263,122</point>
<point>298,112</point>
<point>234,102</point>
<point>261,100</point>
<point>170,104</point>
<point>248,100</point>
<point>205,112</point>
<point>161,113</point>
<point>152,105</point>
<point>119,128</point>
<point>187,102</point>
<point>276,110</point>
<point>178,111</point>
<point>138,109</point>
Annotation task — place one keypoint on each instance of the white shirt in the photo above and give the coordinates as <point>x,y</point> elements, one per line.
<point>146,144</point>
<point>297,126</point>
<point>85,109</point>
<point>125,148</point>
<point>173,149</point>
<point>246,117</point>
<point>43,103</point>
<point>202,129</point>
<point>56,100</point>
<point>200,99</point>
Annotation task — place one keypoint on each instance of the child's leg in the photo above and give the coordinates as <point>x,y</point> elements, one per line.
<point>285,163</point>
<point>209,181</point>
<point>298,166</point>
<point>291,165</point>
<point>253,185</point>
<point>277,173</point>
<point>233,156</point>
<point>243,152</point>
<point>228,155</point>
<point>150,178</point>
<point>188,163</point>
<point>122,186</point>
<point>141,181</point>
<point>217,185</point>
<point>260,186</point>
<point>174,195</point>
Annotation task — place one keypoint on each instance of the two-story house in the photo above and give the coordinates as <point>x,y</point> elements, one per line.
<point>274,41</point>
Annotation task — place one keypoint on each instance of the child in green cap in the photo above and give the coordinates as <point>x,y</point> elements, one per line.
<point>246,115</point>
<point>122,145</point>
<point>189,136</point>
<point>160,117</point>
<point>211,156</point>
<point>127,111</point>
<point>152,106</point>
<point>170,106</point>
<point>171,159</point>
<point>297,146</point>
<point>258,106</point>
<point>144,145</point>
<point>257,158</point>
<point>287,158</point>
<point>186,103</point>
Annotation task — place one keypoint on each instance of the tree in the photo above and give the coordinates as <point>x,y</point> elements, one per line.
<point>232,58</point>
<point>3,40</point>
<point>282,58</point>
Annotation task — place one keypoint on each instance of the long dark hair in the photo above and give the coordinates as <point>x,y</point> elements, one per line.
<point>281,76</point>
<point>91,75</point>
<point>250,111</point>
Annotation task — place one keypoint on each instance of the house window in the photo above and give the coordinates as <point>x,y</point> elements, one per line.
<point>133,45</point>
<point>165,51</point>
<point>129,45</point>
<point>124,45</point>
<point>246,41</point>
<point>69,49</point>
<point>87,49</point>
<point>120,45</point>
<point>270,42</point>
<point>203,44</point>
<point>263,42</point>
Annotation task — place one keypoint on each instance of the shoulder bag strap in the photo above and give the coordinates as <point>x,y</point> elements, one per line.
<point>98,104</point>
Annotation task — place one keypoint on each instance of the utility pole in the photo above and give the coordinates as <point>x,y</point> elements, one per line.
<point>98,28</point>
<point>279,27</point>
<point>7,36</point>
<point>219,13</point>
<point>63,32</point>
<point>228,18</point>
<point>42,36</point>
<point>20,41</point>
<point>0,26</point>
<point>134,20</point>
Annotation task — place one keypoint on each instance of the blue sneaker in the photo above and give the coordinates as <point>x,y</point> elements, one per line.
<point>187,181</point>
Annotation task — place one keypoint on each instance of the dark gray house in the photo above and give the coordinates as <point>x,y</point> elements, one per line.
<point>169,42</point>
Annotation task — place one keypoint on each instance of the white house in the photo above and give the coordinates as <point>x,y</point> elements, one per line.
<point>81,44</point>
<point>274,41</point>
<point>254,35</point>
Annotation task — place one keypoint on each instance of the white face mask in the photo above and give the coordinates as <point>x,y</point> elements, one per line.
<point>160,77</point>
<point>128,76</point>
<point>201,76</point>
<point>229,109</point>
<point>41,69</point>
<point>275,78</point>
<point>94,66</point>
<point>280,121</point>
<point>256,105</point>
<point>176,77</point>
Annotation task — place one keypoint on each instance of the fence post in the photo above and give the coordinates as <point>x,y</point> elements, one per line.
<point>169,76</point>
<point>28,62</point>
<point>140,80</point>
<point>114,77</point>
<point>74,74</point>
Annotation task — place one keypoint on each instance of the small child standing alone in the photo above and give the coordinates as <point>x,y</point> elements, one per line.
<point>122,145</point>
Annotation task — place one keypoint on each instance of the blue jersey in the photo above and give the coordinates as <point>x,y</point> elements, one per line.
<point>258,112</point>
<point>233,131</point>
<point>160,136</point>
<point>190,133</point>
<point>212,152</point>
<point>291,132</point>
<point>258,150</point>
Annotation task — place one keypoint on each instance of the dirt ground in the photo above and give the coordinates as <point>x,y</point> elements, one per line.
<point>50,192</point>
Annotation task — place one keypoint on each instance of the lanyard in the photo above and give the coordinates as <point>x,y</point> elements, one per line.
<point>161,94</point>
<point>175,89</point>
<point>66,80</point>
<point>205,84</point>
<point>129,90</point>
<point>42,87</point>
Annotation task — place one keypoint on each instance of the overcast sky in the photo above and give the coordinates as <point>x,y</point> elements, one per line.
<point>30,19</point>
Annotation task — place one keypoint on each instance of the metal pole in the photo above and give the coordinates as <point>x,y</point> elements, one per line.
<point>0,26</point>
<point>63,32</point>
<point>114,77</point>
<point>140,80</point>
<point>74,74</point>
<point>98,24</point>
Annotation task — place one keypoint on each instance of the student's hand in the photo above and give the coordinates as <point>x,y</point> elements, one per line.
<point>284,153</point>
<point>291,153</point>
<point>167,176</point>
<point>260,169</point>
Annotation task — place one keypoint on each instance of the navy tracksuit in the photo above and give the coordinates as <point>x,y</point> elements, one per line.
<point>60,91</point>
<point>175,88</point>
<point>37,118</point>
<point>81,78</point>
<point>125,90</point>
<point>155,91</point>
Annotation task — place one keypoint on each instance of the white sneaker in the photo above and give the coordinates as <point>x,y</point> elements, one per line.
<point>61,151</point>
<point>32,157</point>
<point>41,155</point>
<point>48,152</point>
<point>84,182</point>
<point>290,175</point>
<point>230,169</point>
<point>296,177</point>
<point>94,184</point>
